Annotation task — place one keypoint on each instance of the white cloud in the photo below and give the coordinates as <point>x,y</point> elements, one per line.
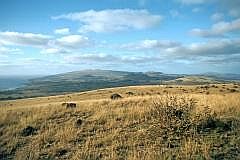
<point>142,2</point>
<point>110,59</point>
<point>66,44</point>
<point>210,50</point>
<point>5,50</point>
<point>174,13</point>
<point>47,44</point>
<point>62,31</point>
<point>217,16</point>
<point>223,59</point>
<point>214,47</point>
<point>232,7</point>
<point>53,51</point>
<point>72,41</point>
<point>50,50</point>
<point>113,20</point>
<point>83,58</point>
<point>192,1</point>
<point>24,39</point>
<point>150,45</point>
<point>194,52</point>
<point>196,10</point>
<point>218,29</point>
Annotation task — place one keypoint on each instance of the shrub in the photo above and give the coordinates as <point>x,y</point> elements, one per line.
<point>208,121</point>
<point>173,118</point>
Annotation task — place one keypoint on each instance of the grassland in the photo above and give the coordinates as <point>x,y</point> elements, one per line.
<point>153,122</point>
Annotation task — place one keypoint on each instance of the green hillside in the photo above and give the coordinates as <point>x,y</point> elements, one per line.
<point>86,80</point>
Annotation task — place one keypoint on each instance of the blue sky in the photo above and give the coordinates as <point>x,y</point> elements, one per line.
<point>175,36</point>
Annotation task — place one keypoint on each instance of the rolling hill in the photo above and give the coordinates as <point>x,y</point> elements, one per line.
<point>84,81</point>
<point>96,79</point>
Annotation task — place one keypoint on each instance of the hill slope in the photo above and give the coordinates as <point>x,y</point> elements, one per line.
<point>97,79</point>
<point>154,122</point>
<point>83,81</point>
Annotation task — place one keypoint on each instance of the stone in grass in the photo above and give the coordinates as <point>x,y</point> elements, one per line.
<point>69,105</point>
<point>61,152</point>
<point>28,131</point>
<point>130,93</point>
<point>115,96</point>
<point>79,122</point>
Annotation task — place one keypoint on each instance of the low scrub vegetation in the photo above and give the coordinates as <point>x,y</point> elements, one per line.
<point>149,126</point>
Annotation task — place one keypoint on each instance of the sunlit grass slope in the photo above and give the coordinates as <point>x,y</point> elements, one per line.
<point>149,122</point>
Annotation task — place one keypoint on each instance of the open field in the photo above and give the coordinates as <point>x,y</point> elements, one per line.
<point>149,122</point>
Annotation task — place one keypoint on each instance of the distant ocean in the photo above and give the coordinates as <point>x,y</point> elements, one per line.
<point>12,82</point>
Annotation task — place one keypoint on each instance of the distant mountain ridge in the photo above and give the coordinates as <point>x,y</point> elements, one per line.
<point>85,80</point>
<point>223,76</point>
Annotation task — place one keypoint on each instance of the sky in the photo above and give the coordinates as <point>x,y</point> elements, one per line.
<point>175,36</point>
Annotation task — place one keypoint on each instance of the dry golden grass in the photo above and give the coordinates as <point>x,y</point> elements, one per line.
<point>156,122</point>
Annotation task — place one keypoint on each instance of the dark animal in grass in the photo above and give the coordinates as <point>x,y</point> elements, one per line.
<point>69,105</point>
<point>115,96</point>
<point>29,130</point>
<point>130,93</point>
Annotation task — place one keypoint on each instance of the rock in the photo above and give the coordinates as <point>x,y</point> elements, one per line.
<point>69,105</point>
<point>29,130</point>
<point>130,93</point>
<point>115,96</point>
<point>61,152</point>
<point>79,122</point>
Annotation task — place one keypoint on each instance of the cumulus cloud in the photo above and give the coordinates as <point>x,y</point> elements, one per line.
<point>53,51</point>
<point>112,20</point>
<point>142,2</point>
<point>174,13</point>
<point>82,58</point>
<point>150,45</point>
<point>230,6</point>
<point>223,59</point>
<point>224,47</point>
<point>218,29</point>
<point>24,39</point>
<point>67,44</point>
<point>3,61</point>
<point>62,31</point>
<point>192,1</point>
<point>5,50</point>
<point>110,59</point>
<point>196,52</point>
<point>217,16</point>
<point>72,41</point>
<point>196,10</point>
<point>47,44</point>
